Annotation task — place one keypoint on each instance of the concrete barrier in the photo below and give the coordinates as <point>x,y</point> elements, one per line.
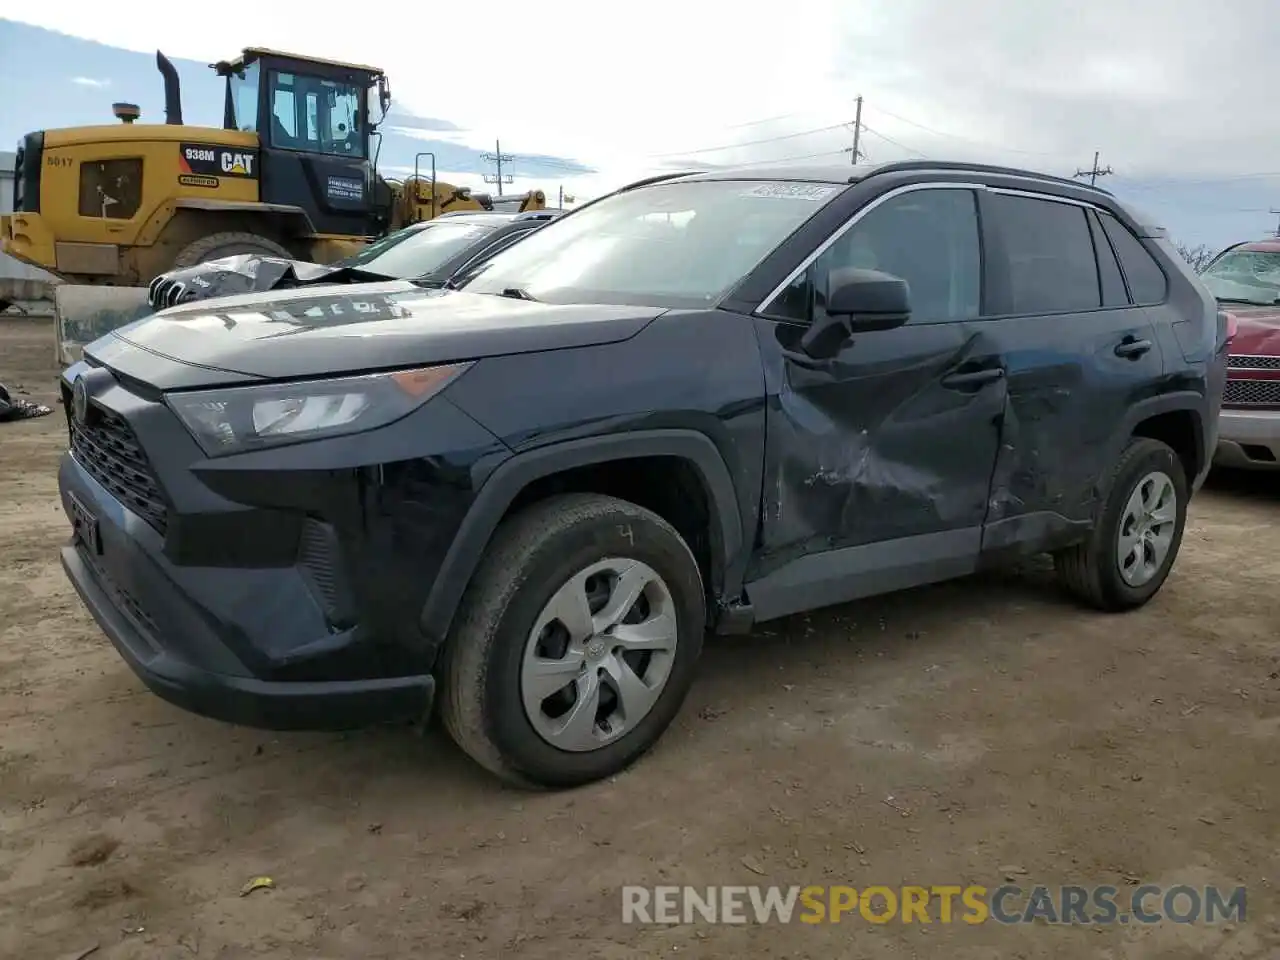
<point>84,312</point>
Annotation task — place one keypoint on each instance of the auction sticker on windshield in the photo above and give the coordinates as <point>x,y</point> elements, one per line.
<point>814,192</point>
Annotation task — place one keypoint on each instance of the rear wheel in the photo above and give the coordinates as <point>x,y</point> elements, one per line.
<point>218,245</point>
<point>1136,534</point>
<point>575,644</point>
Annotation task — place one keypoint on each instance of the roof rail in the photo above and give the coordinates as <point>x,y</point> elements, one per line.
<point>657,178</point>
<point>960,165</point>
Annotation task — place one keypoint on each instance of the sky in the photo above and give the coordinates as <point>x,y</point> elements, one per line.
<point>1178,97</point>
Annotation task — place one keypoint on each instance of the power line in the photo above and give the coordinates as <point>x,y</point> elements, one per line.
<point>900,146</point>
<point>749,143</point>
<point>1094,173</point>
<point>956,136</point>
<point>498,158</point>
<point>1166,182</point>
<point>765,163</point>
<point>756,123</point>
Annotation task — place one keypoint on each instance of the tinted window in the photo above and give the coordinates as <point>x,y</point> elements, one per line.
<point>1113,291</point>
<point>1147,283</point>
<point>1051,264</point>
<point>929,238</point>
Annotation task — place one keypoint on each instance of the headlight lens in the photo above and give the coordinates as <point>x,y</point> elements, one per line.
<point>250,418</point>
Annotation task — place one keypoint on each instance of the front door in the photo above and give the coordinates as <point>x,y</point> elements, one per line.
<point>879,461</point>
<point>314,152</point>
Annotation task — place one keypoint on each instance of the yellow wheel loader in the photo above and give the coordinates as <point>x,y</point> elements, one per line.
<point>291,172</point>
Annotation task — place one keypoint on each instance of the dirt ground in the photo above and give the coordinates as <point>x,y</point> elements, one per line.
<point>951,735</point>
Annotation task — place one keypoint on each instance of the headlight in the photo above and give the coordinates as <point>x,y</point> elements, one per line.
<point>249,418</point>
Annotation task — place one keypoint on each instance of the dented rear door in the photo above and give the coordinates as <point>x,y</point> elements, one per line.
<point>896,436</point>
<point>1077,353</point>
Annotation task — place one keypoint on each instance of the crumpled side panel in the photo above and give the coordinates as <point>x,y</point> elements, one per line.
<point>876,449</point>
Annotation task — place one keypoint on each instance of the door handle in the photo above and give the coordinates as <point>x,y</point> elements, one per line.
<point>973,378</point>
<point>1132,349</point>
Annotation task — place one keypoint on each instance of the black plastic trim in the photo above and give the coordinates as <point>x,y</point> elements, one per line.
<point>265,704</point>
<point>514,474</point>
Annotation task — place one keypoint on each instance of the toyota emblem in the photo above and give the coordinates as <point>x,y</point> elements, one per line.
<point>80,400</point>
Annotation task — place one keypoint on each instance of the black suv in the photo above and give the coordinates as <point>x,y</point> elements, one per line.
<point>698,403</point>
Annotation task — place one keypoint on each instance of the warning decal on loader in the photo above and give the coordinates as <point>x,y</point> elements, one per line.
<point>212,160</point>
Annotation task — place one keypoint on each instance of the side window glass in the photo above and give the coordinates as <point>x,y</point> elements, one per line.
<point>1052,268</point>
<point>929,238</point>
<point>1113,291</point>
<point>1147,283</point>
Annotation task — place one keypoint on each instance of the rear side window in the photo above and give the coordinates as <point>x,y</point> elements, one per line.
<point>1113,290</point>
<point>1147,283</point>
<point>1052,268</point>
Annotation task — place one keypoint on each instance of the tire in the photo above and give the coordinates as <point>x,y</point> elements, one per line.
<point>218,245</point>
<point>533,555</point>
<point>1092,570</point>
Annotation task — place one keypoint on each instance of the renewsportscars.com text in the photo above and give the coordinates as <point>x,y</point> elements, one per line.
<point>1008,904</point>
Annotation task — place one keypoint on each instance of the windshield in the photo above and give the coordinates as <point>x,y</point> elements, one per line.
<point>668,244</point>
<point>415,251</point>
<point>1248,276</point>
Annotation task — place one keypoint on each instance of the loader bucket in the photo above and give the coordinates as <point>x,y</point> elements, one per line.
<point>84,312</point>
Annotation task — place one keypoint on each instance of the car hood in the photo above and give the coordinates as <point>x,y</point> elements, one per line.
<point>1257,329</point>
<point>337,330</point>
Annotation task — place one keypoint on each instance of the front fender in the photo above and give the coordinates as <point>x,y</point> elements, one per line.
<point>515,473</point>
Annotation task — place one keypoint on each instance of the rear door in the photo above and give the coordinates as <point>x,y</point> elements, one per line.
<point>1077,354</point>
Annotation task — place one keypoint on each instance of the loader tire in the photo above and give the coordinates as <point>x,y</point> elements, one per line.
<point>218,245</point>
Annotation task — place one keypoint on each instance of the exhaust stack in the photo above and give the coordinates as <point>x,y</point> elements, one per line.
<point>172,91</point>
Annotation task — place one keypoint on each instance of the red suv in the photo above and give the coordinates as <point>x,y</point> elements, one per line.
<point>1245,278</point>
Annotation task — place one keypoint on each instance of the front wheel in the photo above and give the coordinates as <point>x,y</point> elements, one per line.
<point>1137,533</point>
<point>576,642</point>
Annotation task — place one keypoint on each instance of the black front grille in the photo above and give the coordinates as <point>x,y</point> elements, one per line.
<point>1252,393</point>
<point>110,453</point>
<point>1243,362</point>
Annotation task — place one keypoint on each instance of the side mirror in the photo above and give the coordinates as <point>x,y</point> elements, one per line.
<point>867,299</point>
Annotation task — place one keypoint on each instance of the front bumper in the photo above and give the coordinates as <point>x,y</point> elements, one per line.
<point>293,705</point>
<point>169,641</point>
<point>280,589</point>
<point>1248,439</point>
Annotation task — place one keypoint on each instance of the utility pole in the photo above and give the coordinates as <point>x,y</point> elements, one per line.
<point>857,130</point>
<point>1095,172</point>
<point>1275,212</point>
<point>499,158</point>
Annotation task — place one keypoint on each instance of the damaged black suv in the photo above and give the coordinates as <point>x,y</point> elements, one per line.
<point>701,402</point>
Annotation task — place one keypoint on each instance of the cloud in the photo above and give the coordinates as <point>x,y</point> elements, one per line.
<point>90,82</point>
<point>1165,90</point>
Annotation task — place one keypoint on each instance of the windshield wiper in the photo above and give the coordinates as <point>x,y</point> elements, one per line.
<point>1252,303</point>
<point>519,293</point>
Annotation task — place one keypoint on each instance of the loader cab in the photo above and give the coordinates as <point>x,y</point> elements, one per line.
<point>313,122</point>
